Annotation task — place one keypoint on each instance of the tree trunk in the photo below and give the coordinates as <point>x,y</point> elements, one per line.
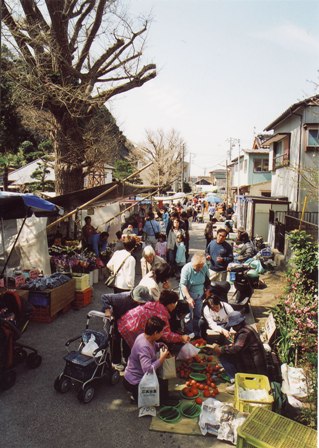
<point>69,155</point>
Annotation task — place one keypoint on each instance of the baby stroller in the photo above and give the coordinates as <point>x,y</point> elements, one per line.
<point>15,313</point>
<point>84,370</point>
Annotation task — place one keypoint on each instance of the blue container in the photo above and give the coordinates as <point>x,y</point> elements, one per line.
<point>39,298</point>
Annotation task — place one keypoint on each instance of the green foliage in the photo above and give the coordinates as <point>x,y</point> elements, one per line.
<point>12,132</point>
<point>296,315</point>
<point>123,169</point>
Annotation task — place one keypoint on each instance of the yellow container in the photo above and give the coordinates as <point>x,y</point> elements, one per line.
<point>265,429</point>
<point>82,281</point>
<point>252,381</point>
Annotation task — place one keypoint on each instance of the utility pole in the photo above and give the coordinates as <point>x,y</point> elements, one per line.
<point>182,173</point>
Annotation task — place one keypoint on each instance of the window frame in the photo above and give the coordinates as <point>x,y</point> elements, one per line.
<point>263,160</point>
<point>309,128</point>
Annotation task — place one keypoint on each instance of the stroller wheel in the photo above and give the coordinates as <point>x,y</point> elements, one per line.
<point>20,355</point>
<point>8,379</point>
<point>62,384</point>
<point>34,360</point>
<point>115,377</point>
<point>86,394</point>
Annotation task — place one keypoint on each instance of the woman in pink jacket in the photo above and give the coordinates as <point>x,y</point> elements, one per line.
<point>133,322</point>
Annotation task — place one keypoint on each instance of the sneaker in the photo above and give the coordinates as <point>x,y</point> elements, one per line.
<point>230,389</point>
<point>118,367</point>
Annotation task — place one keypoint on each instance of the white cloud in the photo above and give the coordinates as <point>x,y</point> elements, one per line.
<point>291,36</point>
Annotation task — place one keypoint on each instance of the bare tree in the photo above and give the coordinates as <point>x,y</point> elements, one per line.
<point>166,151</point>
<point>77,55</point>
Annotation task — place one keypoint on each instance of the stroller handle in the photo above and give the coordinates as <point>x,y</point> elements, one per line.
<point>94,313</point>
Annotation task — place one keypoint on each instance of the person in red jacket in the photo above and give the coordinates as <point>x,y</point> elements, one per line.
<point>133,322</point>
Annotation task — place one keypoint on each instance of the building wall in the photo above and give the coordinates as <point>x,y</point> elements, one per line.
<point>285,180</point>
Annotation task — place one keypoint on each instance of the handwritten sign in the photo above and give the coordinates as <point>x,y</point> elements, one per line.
<point>34,273</point>
<point>19,280</point>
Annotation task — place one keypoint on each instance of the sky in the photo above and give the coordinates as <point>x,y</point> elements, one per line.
<point>226,70</point>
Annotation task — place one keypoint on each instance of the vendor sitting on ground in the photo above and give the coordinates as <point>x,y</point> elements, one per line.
<point>246,354</point>
<point>247,250</point>
<point>214,320</point>
<point>143,358</point>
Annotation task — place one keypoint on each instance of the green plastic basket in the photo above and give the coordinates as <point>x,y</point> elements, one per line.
<point>265,429</point>
<point>198,376</point>
<point>196,408</point>
<point>197,366</point>
<point>164,409</point>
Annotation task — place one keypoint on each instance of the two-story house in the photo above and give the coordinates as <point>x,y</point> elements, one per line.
<point>294,154</point>
<point>252,176</point>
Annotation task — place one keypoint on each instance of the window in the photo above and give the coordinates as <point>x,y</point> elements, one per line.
<point>313,139</point>
<point>281,153</point>
<point>261,165</point>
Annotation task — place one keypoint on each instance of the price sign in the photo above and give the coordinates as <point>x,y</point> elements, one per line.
<point>19,280</point>
<point>34,273</point>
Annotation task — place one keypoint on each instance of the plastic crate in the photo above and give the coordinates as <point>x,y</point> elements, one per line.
<point>82,281</point>
<point>252,381</point>
<point>82,298</point>
<point>265,429</point>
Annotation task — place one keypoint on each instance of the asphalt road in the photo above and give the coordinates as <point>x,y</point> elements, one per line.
<point>34,415</point>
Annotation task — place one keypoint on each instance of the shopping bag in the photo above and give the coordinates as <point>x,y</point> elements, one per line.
<point>148,390</point>
<point>110,278</point>
<point>90,346</point>
<point>188,351</point>
<point>168,369</point>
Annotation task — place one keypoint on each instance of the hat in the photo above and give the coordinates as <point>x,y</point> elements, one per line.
<point>235,318</point>
<point>141,294</point>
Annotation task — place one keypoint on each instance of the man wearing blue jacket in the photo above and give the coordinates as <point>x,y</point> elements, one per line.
<point>220,255</point>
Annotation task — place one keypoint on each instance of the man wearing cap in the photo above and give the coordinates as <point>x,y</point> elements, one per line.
<point>117,305</point>
<point>246,354</point>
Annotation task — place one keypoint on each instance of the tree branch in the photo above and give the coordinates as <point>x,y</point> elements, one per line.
<point>91,37</point>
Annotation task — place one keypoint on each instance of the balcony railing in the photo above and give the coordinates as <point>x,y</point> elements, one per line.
<point>281,160</point>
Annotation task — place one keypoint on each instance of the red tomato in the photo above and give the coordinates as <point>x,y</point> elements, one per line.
<point>206,393</point>
<point>199,400</point>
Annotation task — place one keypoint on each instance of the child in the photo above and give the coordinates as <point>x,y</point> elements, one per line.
<point>161,246</point>
<point>180,257</point>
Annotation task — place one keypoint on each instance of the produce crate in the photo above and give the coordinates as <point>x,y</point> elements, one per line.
<point>265,429</point>
<point>252,381</point>
<point>82,281</point>
<point>41,314</point>
<point>82,298</point>
<point>55,299</point>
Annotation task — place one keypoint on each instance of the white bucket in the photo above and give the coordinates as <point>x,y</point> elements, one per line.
<point>91,278</point>
<point>95,276</point>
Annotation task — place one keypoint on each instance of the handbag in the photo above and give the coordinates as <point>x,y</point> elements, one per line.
<point>168,369</point>
<point>111,276</point>
<point>148,390</point>
<point>157,234</point>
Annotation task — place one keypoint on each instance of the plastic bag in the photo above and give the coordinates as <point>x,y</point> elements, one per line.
<point>188,351</point>
<point>90,346</point>
<point>148,391</point>
<point>168,369</point>
<point>294,381</point>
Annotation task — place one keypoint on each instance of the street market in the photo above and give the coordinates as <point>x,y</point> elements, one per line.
<point>209,382</point>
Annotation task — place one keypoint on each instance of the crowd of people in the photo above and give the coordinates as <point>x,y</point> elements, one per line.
<point>151,315</point>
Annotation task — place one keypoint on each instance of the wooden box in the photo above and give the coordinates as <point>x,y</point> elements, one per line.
<point>55,299</point>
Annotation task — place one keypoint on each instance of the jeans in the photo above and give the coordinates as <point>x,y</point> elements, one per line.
<point>192,326</point>
<point>229,364</point>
